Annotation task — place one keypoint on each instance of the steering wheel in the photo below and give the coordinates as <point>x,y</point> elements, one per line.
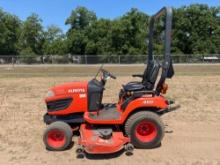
<point>107,74</point>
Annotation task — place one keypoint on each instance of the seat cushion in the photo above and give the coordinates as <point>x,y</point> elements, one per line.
<point>133,86</point>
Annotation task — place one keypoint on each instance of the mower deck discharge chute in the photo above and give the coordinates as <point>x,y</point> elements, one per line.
<point>134,121</point>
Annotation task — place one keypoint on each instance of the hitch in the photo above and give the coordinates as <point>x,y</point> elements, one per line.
<point>172,106</point>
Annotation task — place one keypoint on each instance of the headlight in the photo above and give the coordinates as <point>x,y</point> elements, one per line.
<point>50,93</point>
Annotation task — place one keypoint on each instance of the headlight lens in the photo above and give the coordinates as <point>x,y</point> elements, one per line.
<point>50,93</point>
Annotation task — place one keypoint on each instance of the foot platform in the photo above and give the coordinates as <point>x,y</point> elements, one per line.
<point>107,114</point>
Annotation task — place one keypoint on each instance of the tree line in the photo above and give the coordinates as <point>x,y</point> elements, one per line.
<point>196,30</point>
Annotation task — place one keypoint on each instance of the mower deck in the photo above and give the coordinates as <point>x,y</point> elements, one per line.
<point>92,141</point>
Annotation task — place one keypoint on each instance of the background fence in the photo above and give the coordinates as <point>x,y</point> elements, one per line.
<point>110,59</point>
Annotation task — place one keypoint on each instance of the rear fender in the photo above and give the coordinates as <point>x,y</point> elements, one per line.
<point>157,102</point>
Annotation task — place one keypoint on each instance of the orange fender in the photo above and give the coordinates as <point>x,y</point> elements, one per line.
<point>158,102</point>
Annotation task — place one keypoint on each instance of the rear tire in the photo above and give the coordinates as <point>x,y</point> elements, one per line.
<point>57,136</point>
<point>145,129</point>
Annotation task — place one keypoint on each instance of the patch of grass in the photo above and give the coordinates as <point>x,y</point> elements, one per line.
<point>90,70</point>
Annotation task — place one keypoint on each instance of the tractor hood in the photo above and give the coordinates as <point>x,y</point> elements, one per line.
<point>67,90</point>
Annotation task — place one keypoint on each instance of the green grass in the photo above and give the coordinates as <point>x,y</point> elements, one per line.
<point>90,70</point>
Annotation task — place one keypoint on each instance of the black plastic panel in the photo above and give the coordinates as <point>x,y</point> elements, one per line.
<point>71,118</point>
<point>95,92</point>
<point>58,104</point>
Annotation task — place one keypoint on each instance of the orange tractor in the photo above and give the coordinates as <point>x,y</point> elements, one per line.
<point>133,122</point>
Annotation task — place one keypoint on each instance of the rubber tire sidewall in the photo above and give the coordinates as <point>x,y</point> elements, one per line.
<point>135,120</point>
<point>65,128</point>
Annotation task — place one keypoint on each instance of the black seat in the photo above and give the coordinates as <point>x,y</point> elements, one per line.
<point>148,78</point>
<point>133,86</point>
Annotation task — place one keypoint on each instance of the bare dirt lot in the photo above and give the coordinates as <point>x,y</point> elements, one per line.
<point>192,133</point>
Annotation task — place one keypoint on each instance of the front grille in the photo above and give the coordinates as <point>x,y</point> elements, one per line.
<point>58,104</point>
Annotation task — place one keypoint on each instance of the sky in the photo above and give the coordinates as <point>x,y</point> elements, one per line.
<point>55,12</point>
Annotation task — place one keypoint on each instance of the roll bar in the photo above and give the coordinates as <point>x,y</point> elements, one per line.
<point>167,67</point>
<point>168,12</point>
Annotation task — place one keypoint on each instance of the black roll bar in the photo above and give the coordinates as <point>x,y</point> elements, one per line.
<point>167,67</point>
<point>168,12</point>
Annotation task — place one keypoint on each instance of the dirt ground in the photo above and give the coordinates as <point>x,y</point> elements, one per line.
<point>192,133</point>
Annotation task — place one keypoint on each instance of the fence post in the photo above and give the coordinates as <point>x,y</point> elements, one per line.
<point>187,58</point>
<point>12,60</point>
<point>119,59</point>
<point>85,58</point>
<point>43,59</point>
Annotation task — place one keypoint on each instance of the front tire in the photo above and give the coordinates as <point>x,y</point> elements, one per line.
<point>57,136</point>
<point>145,129</point>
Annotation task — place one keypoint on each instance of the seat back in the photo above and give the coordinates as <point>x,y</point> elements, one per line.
<point>150,74</point>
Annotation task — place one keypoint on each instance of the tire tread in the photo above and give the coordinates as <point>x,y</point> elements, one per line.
<point>141,114</point>
<point>60,125</point>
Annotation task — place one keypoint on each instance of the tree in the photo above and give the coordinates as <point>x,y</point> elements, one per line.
<point>195,28</point>
<point>54,41</point>
<point>129,33</point>
<point>31,35</point>
<point>99,40</point>
<point>9,32</point>
<point>79,20</point>
<point>76,42</point>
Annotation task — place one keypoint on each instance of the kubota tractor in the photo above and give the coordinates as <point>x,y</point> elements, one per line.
<point>134,121</point>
